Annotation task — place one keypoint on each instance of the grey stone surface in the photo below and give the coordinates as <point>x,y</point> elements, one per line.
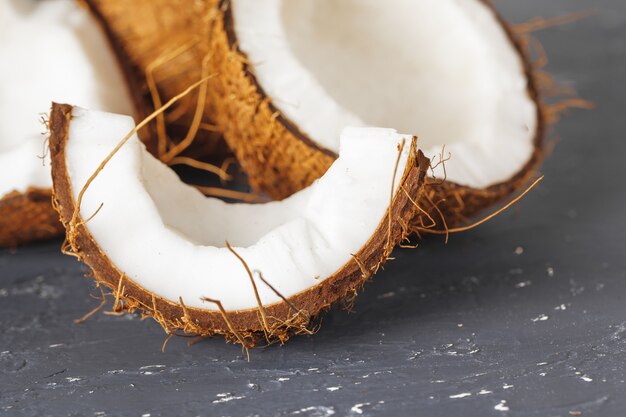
<point>524,316</point>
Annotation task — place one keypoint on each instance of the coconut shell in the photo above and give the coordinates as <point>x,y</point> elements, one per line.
<point>28,217</point>
<point>280,159</point>
<point>243,326</point>
<point>142,32</point>
<point>140,26</point>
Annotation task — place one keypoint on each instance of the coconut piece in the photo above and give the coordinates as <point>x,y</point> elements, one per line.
<point>48,49</point>
<point>291,74</point>
<point>164,248</point>
<point>161,45</point>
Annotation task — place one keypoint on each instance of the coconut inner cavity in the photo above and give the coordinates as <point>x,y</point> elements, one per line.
<point>170,239</point>
<point>50,50</point>
<point>444,70</point>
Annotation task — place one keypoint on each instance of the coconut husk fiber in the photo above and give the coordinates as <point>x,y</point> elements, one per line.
<point>272,323</point>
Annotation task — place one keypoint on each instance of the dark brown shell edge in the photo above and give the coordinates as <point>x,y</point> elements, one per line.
<point>280,160</point>
<point>282,320</point>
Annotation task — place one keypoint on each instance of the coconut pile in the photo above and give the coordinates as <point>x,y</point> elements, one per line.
<point>367,125</point>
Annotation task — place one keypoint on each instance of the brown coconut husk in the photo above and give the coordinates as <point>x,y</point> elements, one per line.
<point>28,217</point>
<point>272,323</point>
<point>280,160</point>
<point>161,45</point>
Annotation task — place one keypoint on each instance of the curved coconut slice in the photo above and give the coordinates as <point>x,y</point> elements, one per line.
<point>49,50</point>
<point>293,73</point>
<point>161,246</point>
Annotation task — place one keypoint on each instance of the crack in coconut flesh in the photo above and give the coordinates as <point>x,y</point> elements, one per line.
<point>160,245</point>
<point>49,50</point>
<point>294,73</point>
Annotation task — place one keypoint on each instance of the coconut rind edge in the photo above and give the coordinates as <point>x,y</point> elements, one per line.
<point>282,320</point>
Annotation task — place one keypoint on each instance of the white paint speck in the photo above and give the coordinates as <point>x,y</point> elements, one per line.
<point>461,395</point>
<point>459,325</point>
<point>56,345</point>
<point>550,271</point>
<point>331,389</point>
<point>358,408</point>
<point>283,379</point>
<point>542,363</point>
<point>501,406</point>
<point>72,379</point>
<point>561,307</point>
<point>523,284</point>
<point>151,367</point>
<point>145,415</point>
<point>507,386</point>
<point>226,397</point>
<point>313,369</point>
<point>541,317</point>
<point>586,378</point>
<point>415,355</point>
<point>318,411</point>
<point>484,392</point>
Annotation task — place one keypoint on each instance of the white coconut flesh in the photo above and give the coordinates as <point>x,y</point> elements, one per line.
<point>170,239</point>
<point>49,50</point>
<point>444,70</point>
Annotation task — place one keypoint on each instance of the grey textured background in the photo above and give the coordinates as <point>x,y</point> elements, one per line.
<point>474,328</point>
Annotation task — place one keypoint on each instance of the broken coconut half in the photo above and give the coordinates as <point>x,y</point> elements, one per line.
<point>292,74</point>
<point>48,50</point>
<point>164,248</point>
<point>162,45</point>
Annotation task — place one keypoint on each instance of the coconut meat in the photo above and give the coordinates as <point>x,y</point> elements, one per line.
<point>170,239</point>
<point>49,50</point>
<point>444,70</point>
